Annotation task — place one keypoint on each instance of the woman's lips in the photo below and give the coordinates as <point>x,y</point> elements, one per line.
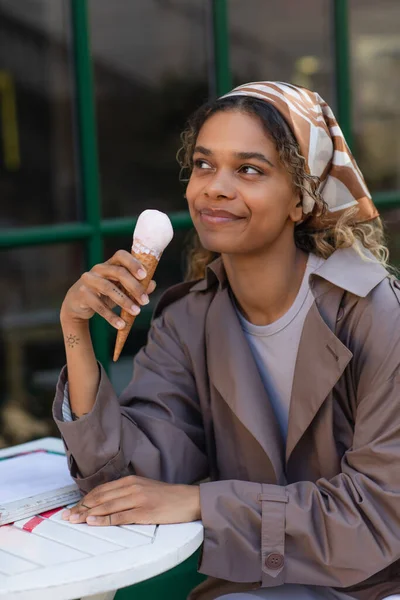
<point>218,217</point>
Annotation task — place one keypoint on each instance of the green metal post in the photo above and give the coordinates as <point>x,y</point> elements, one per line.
<point>44,234</point>
<point>343,68</point>
<point>88,156</point>
<point>221,47</point>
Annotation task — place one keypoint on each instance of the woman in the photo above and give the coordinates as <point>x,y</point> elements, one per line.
<point>275,375</point>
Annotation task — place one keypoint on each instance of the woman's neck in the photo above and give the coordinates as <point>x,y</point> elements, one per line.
<point>265,285</point>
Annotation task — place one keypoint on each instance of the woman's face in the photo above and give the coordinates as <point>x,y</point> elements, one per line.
<point>240,195</point>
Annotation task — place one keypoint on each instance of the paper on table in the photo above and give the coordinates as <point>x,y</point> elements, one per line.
<point>32,474</point>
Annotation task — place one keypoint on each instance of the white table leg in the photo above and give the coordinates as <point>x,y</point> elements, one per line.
<point>105,596</point>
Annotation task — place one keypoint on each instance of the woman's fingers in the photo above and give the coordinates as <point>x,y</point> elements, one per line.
<point>134,267</point>
<point>107,502</point>
<point>152,287</point>
<point>103,501</point>
<point>119,281</point>
<point>137,500</point>
<point>126,517</point>
<point>122,281</point>
<point>124,278</point>
<point>125,259</point>
<point>92,300</point>
<point>109,289</point>
<point>103,493</point>
<point>114,505</point>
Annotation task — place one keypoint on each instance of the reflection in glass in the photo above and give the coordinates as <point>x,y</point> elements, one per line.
<point>150,64</point>
<point>33,282</point>
<point>171,270</point>
<point>37,171</point>
<point>282,40</point>
<point>391,219</point>
<point>375,52</point>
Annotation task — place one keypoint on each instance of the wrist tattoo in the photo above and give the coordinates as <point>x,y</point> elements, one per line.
<point>72,340</point>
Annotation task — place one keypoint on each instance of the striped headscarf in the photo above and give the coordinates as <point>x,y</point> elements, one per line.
<point>322,144</point>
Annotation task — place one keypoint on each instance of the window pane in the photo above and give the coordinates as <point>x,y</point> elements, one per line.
<point>33,283</point>
<point>37,170</point>
<point>150,74</point>
<point>282,40</point>
<point>170,271</point>
<point>375,45</point>
<point>391,219</point>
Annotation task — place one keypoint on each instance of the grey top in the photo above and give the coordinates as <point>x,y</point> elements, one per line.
<point>275,346</point>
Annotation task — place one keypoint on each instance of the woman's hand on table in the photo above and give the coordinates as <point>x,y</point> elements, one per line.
<point>137,500</point>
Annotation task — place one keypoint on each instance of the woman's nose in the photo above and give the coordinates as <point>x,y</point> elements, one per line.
<point>220,186</point>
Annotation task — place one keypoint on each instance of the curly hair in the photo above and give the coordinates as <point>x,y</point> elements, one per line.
<point>322,242</point>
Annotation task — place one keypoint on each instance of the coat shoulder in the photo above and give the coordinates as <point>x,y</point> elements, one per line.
<point>384,299</point>
<point>378,311</point>
<point>372,331</point>
<point>395,287</point>
<point>183,302</point>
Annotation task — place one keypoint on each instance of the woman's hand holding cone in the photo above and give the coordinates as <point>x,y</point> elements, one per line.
<point>105,286</point>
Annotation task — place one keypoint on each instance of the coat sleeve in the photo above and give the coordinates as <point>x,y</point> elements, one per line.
<point>336,532</point>
<point>154,429</point>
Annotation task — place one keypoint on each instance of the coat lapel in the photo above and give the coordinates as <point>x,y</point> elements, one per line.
<point>321,360</point>
<point>234,374</point>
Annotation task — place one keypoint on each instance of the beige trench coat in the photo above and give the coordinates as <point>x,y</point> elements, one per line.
<point>325,509</point>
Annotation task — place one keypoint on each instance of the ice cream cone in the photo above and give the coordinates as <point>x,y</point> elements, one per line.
<point>153,233</point>
<point>150,262</point>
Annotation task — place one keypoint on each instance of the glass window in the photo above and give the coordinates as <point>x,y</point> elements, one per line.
<point>150,63</point>
<point>37,169</point>
<point>33,282</point>
<point>375,53</point>
<point>282,40</point>
<point>171,270</point>
<point>391,219</point>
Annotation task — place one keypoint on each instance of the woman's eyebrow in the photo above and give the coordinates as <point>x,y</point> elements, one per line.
<point>203,150</point>
<point>256,155</point>
<point>240,155</point>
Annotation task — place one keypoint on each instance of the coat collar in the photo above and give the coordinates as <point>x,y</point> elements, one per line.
<point>321,360</point>
<point>354,270</point>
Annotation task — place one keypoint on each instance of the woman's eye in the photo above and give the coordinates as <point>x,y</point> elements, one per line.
<point>249,170</point>
<point>201,164</point>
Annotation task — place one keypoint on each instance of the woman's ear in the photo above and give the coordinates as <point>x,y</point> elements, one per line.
<point>296,213</point>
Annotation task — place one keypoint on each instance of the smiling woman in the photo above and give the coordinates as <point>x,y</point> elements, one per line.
<point>271,166</point>
<point>273,374</point>
<point>256,194</point>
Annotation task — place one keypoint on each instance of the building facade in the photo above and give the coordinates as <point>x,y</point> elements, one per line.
<point>94,95</point>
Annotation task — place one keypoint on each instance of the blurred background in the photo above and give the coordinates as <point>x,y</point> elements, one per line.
<point>93,97</point>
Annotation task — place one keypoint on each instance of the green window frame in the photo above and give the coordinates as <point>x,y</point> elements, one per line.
<point>93,230</point>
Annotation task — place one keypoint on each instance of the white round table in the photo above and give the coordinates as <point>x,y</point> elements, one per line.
<point>58,559</point>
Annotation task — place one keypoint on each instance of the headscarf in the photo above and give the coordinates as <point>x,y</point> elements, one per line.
<point>322,144</point>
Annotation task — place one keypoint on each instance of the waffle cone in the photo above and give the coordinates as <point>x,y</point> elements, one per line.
<point>150,263</point>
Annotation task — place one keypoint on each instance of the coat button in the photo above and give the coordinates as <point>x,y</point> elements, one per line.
<point>274,561</point>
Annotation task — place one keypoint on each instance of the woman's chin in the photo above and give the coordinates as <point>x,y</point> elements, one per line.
<point>219,246</point>
<point>221,238</point>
